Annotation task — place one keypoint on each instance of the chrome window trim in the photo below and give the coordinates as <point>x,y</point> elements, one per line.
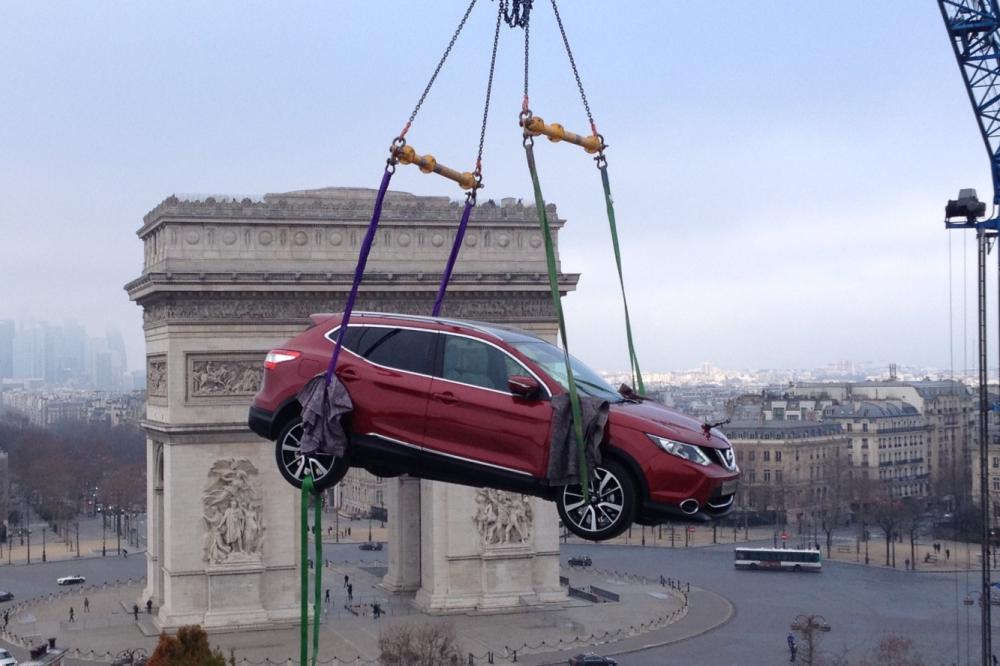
<point>447,455</point>
<point>538,379</point>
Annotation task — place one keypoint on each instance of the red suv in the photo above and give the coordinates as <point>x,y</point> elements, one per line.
<point>468,403</point>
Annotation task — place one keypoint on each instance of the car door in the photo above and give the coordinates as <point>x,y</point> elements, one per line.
<point>473,417</point>
<point>388,375</point>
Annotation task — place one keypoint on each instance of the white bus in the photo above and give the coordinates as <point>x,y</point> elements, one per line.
<point>778,558</point>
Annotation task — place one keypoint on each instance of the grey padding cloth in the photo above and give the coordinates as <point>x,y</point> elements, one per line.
<point>322,407</point>
<point>564,467</point>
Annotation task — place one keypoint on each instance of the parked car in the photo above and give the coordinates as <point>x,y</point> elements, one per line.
<point>469,403</point>
<point>71,580</point>
<point>580,561</point>
<point>6,596</point>
<point>371,545</point>
<point>7,659</point>
<point>592,660</point>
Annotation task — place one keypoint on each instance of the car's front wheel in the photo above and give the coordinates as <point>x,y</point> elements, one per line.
<point>609,509</point>
<point>326,470</point>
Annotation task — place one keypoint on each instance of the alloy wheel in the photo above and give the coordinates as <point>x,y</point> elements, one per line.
<point>295,465</point>
<point>605,507</point>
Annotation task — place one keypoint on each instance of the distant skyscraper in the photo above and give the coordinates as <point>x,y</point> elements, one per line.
<point>6,349</point>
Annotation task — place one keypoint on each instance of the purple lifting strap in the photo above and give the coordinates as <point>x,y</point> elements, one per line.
<point>359,271</point>
<point>459,235</point>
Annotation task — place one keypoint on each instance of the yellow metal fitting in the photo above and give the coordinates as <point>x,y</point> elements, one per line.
<point>428,163</point>
<point>556,132</point>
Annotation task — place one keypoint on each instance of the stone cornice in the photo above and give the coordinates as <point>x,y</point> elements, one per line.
<point>351,205</point>
<point>267,281</point>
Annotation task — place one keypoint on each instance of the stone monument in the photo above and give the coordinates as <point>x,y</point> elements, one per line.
<point>224,280</point>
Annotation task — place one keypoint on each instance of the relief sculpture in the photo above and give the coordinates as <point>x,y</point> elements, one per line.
<point>233,513</point>
<point>156,377</point>
<point>218,377</point>
<point>502,517</point>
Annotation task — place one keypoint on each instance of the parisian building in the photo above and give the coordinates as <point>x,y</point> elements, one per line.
<point>795,469</point>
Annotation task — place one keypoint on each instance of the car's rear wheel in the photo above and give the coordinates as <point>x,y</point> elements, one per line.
<point>326,470</point>
<point>610,508</point>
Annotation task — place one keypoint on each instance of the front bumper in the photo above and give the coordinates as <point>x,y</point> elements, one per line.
<point>715,506</point>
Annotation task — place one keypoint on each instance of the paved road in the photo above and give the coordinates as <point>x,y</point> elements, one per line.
<point>860,603</point>
<point>27,581</point>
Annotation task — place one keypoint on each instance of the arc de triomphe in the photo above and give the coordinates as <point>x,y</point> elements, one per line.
<point>223,281</point>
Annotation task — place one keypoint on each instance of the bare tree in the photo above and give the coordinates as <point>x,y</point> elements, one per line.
<point>431,644</point>
<point>887,514</point>
<point>893,650</point>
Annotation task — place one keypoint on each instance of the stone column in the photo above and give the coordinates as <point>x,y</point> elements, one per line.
<point>403,498</point>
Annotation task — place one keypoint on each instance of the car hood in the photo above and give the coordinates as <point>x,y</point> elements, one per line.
<point>655,419</point>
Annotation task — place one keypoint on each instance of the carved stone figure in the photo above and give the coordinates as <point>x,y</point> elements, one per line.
<point>233,512</point>
<point>214,378</point>
<point>502,517</point>
<point>156,377</point>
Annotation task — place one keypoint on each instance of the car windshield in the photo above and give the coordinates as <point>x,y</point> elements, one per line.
<point>551,359</point>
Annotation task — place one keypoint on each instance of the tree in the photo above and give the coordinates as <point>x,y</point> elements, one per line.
<point>888,514</point>
<point>432,644</point>
<point>836,495</point>
<point>893,650</point>
<point>189,648</point>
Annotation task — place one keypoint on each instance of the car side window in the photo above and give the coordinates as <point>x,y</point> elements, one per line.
<point>477,363</point>
<point>399,348</point>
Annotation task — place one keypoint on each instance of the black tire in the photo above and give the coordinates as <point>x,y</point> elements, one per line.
<point>327,470</point>
<point>797,568</point>
<point>611,508</point>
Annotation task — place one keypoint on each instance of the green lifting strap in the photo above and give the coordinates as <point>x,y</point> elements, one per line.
<point>307,492</point>
<point>550,260</point>
<point>602,165</point>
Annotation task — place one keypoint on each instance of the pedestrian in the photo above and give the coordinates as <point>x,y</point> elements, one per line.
<point>6,619</point>
<point>124,553</point>
<point>350,592</point>
<point>72,613</point>
<point>329,530</point>
<point>663,581</point>
<point>327,598</point>
<point>791,647</point>
<point>377,611</point>
<point>86,605</point>
<point>346,580</point>
<point>947,553</point>
<point>135,611</point>
<point>149,606</point>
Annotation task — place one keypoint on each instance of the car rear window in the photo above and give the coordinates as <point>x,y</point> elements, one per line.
<point>399,348</point>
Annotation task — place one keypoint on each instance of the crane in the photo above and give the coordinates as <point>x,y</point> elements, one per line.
<point>974,31</point>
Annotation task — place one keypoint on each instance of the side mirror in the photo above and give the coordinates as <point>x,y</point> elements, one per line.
<point>523,387</point>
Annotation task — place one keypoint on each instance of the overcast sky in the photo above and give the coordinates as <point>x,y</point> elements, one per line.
<point>780,168</point>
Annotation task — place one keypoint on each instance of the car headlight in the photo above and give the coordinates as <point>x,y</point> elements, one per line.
<point>688,452</point>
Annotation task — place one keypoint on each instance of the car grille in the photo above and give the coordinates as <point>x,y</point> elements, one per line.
<point>724,457</point>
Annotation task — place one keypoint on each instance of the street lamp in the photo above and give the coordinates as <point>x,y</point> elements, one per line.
<point>807,626</point>
<point>43,545</point>
<point>104,533</point>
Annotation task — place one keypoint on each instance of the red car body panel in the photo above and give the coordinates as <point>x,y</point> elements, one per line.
<point>444,422</point>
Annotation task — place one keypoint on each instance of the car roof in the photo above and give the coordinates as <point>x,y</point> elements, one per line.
<point>501,331</point>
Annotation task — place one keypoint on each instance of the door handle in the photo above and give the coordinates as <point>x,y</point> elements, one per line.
<point>447,397</point>
<point>348,375</point>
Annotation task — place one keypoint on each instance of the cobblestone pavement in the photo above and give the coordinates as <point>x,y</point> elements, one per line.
<point>647,612</point>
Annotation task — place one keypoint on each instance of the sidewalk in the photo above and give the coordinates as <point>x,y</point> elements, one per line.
<point>646,613</point>
<point>953,556</point>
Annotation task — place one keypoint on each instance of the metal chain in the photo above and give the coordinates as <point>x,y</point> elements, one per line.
<point>527,41</point>
<point>516,13</point>
<point>572,63</point>
<point>437,70</point>
<point>486,106</point>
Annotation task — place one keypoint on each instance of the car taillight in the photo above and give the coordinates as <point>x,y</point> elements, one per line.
<point>276,356</point>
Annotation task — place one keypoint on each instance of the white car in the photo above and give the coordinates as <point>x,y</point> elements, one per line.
<point>7,659</point>
<point>70,580</point>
